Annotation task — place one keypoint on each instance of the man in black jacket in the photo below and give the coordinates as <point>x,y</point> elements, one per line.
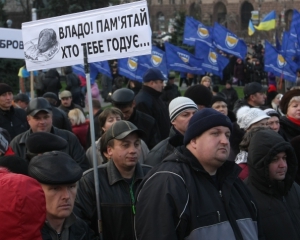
<point>58,173</point>
<point>118,180</point>
<point>12,119</point>
<point>39,117</point>
<point>195,193</point>
<point>272,169</point>
<point>148,101</point>
<point>67,103</point>
<point>181,110</point>
<point>124,100</point>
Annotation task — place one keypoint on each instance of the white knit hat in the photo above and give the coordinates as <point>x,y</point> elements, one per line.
<point>247,116</point>
<point>179,105</point>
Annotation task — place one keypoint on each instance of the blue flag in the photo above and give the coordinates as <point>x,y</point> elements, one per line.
<point>213,62</point>
<point>228,42</point>
<point>182,61</point>
<point>195,30</point>
<point>78,70</point>
<point>278,44</point>
<point>100,67</point>
<point>127,67</point>
<point>157,59</point>
<point>278,65</point>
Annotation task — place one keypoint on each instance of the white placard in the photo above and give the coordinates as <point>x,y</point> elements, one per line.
<point>108,33</point>
<point>11,43</point>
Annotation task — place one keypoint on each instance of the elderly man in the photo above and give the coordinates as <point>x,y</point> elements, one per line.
<point>195,193</point>
<point>12,119</point>
<point>118,179</point>
<point>39,117</point>
<point>181,110</point>
<point>58,173</point>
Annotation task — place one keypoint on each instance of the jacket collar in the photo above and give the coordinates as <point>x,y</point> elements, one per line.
<point>151,91</point>
<point>10,111</point>
<point>25,135</point>
<point>115,176</point>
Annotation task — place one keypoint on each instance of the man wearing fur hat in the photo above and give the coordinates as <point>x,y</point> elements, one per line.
<point>181,110</point>
<point>58,173</point>
<point>195,192</point>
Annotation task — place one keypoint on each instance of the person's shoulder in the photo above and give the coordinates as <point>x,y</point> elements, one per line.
<point>145,116</point>
<point>19,112</point>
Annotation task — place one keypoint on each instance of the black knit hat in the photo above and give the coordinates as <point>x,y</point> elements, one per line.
<point>41,142</point>
<point>5,88</point>
<point>285,100</point>
<point>204,120</point>
<point>217,99</point>
<point>54,168</point>
<point>270,96</point>
<point>199,94</point>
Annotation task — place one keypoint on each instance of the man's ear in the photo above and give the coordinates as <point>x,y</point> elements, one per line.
<point>133,103</point>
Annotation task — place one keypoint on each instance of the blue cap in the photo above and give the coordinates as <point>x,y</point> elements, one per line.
<point>153,74</point>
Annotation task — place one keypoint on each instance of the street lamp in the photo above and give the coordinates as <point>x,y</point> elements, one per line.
<point>9,23</point>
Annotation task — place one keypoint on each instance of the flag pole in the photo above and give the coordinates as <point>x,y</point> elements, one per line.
<point>92,128</point>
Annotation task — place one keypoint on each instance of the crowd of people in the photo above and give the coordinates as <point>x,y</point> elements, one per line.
<point>205,165</point>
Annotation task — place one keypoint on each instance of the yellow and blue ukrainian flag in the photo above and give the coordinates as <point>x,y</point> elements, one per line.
<point>251,28</point>
<point>268,23</point>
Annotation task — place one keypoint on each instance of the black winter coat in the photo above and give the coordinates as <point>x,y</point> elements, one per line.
<point>60,119</point>
<point>179,200</point>
<point>77,230</point>
<point>146,123</point>
<point>169,93</point>
<point>288,129</point>
<point>278,201</point>
<point>51,82</point>
<point>148,101</point>
<point>164,148</point>
<point>14,121</point>
<point>231,97</point>
<point>73,81</point>
<point>115,200</point>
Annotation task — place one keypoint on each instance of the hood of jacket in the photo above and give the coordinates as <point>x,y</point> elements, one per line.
<point>22,207</point>
<point>263,147</point>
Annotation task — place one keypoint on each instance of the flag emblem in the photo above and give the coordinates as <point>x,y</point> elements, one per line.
<point>281,61</point>
<point>202,32</point>
<point>156,58</point>
<point>212,57</point>
<point>231,41</point>
<point>184,57</point>
<point>132,63</point>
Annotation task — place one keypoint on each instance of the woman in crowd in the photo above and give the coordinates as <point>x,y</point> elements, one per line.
<point>290,106</point>
<point>206,81</point>
<point>80,125</point>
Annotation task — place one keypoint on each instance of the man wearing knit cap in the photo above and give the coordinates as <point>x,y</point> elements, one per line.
<point>148,101</point>
<point>39,117</point>
<point>181,110</point>
<point>58,173</point>
<point>67,102</point>
<point>195,193</point>
<point>12,119</point>
<point>124,100</point>
<point>254,96</point>
<point>200,94</point>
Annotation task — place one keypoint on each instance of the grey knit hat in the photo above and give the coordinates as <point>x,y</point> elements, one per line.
<point>179,105</point>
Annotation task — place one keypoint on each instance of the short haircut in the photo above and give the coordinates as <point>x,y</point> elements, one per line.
<point>106,112</point>
<point>205,78</point>
<point>96,103</point>
<point>77,116</point>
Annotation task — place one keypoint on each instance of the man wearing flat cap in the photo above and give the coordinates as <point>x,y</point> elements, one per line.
<point>58,173</point>
<point>11,119</point>
<point>124,100</point>
<point>148,101</point>
<point>118,181</point>
<point>195,193</point>
<point>39,117</point>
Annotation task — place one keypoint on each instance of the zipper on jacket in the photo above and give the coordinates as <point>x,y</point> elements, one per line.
<point>11,124</point>
<point>220,192</point>
<point>219,216</point>
<point>254,208</point>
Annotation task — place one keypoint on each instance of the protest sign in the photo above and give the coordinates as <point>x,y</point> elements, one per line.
<point>107,33</point>
<point>11,43</point>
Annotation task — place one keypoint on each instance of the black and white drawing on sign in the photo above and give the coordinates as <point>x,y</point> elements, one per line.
<point>43,48</point>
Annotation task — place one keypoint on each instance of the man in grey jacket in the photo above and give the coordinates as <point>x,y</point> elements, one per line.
<point>39,117</point>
